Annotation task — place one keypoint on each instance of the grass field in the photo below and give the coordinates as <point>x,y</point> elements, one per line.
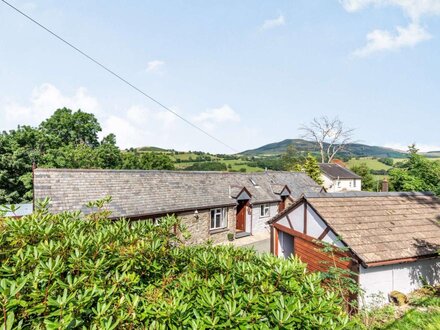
<point>373,164</point>
<point>236,165</point>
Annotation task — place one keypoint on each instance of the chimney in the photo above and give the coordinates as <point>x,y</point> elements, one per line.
<point>384,185</point>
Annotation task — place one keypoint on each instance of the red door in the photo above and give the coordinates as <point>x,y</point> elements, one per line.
<point>241,216</point>
<point>282,204</point>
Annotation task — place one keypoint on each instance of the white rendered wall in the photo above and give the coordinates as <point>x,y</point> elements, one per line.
<point>344,184</point>
<point>296,217</point>
<point>315,226</point>
<point>378,282</point>
<point>259,223</point>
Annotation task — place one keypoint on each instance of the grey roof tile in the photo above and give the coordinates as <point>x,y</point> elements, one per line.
<point>138,193</point>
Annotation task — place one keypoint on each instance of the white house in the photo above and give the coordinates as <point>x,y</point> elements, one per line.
<point>338,178</point>
<point>392,239</point>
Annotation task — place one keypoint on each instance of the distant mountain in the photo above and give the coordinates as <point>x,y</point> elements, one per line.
<point>433,154</point>
<point>352,150</point>
<point>154,149</point>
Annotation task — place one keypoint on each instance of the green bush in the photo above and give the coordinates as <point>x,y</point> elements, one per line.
<point>72,271</point>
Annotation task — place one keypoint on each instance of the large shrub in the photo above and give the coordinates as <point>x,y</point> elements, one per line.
<point>73,271</point>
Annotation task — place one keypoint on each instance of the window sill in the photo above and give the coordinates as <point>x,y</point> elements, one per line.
<point>218,230</point>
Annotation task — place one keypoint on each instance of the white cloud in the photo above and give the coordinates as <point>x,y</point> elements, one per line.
<point>155,66</point>
<point>422,147</point>
<point>211,118</point>
<point>275,22</point>
<point>42,103</point>
<point>383,40</point>
<point>412,8</point>
<point>133,125</point>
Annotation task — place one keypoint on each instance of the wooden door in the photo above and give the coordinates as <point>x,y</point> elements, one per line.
<point>282,204</point>
<point>241,217</point>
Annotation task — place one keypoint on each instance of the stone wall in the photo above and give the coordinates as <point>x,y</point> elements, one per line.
<point>198,226</point>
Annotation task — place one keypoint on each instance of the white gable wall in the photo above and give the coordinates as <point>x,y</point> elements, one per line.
<point>331,185</point>
<point>378,282</point>
<point>315,225</point>
<point>296,217</point>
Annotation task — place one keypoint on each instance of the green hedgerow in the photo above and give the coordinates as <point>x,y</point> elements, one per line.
<point>71,270</point>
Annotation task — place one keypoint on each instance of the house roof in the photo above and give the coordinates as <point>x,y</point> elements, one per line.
<point>336,171</point>
<point>380,227</point>
<point>139,193</point>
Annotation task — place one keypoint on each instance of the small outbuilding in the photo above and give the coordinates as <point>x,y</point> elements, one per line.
<point>392,239</point>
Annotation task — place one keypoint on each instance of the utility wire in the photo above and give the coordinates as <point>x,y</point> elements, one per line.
<point>118,76</point>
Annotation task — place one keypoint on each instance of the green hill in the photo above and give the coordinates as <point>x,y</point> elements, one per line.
<point>352,150</point>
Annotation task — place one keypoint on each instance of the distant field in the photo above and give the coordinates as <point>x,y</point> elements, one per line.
<point>236,165</point>
<point>373,164</point>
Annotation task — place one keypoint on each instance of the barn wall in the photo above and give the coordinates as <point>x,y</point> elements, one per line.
<point>378,282</point>
<point>311,253</point>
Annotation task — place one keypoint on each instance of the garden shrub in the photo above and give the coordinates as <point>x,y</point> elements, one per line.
<point>69,270</point>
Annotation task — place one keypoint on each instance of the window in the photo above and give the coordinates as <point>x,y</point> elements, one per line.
<point>349,184</point>
<point>339,183</point>
<point>264,210</point>
<point>219,218</point>
<point>354,183</point>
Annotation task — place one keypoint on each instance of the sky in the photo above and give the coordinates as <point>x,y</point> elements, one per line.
<point>248,72</point>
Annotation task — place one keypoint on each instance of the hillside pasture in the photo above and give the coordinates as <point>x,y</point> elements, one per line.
<point>372,163</point>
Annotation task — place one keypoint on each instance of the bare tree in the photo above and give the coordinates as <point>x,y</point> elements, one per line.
<point>329,134</point>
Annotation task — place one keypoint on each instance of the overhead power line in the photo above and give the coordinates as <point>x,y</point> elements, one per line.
<point>118,76</point>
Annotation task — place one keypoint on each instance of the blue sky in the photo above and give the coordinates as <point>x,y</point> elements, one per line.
<point>249,72</point>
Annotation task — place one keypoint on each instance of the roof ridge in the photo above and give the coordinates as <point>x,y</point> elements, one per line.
<point>369,194</point>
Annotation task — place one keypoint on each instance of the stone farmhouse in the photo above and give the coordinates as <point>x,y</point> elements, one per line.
<point>392,239</point>
<point>210,204</point>
<point>337,178</point>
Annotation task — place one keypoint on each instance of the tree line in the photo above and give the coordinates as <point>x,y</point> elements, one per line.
<point>68,139</point>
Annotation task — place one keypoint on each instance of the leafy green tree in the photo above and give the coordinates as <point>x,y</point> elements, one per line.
<point>311,167</point>
<point>387,161</point>
<point>19,149</point>
<point>368,182</point>
<point>71,156</point>
<point>108,153</point>
<point>209,166</point>
<point>67,127</point>
<point>133,159</point>
<point>418,173</point>
<point>291,159</point>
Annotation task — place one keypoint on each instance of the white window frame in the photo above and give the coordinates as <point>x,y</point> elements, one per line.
<point>218,218</point>
<point>264,210</point>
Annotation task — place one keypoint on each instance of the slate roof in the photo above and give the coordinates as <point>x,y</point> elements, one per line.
<point>140,193</point>
<point>382,226</point>
<point>335,171</point>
